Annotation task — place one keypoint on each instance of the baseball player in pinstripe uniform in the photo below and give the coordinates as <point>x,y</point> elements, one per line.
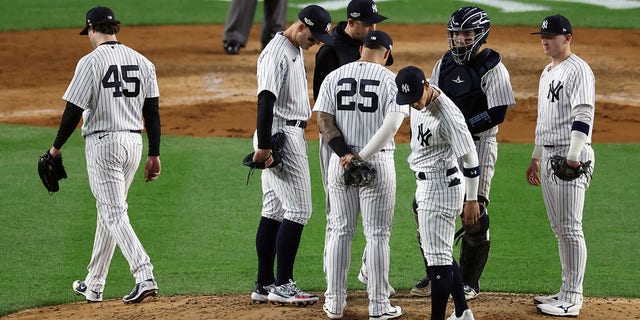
<point>478,83</point>
<point>358,117</point>
<point>283,106</point>
<point>439,137</point>
<point>362,18</point>
<point>566,106</point>
<point>113,88</point>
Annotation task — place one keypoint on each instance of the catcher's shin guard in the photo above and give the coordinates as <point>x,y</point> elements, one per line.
<point>474,251</point>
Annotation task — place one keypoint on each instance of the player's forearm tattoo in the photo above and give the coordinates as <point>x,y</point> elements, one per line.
<point>327,126</point>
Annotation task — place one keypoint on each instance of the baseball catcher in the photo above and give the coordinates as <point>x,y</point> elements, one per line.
<point>51,171</point>
<point>565,172</point>
<point>277,141</point>
<point>359,174</point>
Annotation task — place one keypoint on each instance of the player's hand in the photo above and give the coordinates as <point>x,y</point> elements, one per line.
<point>573,163</point>
<point>152,168</point>
<point>346,159</point>
<point>533,172</point>
<point>471,212</point>
<point>261,155</point>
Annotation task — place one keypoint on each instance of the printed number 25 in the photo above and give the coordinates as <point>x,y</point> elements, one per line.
<point>353,90</point>
<point>116,83</point>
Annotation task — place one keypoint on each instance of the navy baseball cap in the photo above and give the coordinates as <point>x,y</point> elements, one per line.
<point>554,25</point>
<point>318,20</point>
<point>365,11</point>
<point>410,81</point>
<point>383,39</point>
<point>97,15</point>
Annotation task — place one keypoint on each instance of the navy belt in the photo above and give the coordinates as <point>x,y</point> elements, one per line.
<point>423,176</point>
<point>297,123</point>
<point>101,131</point>
<point>560,145</point>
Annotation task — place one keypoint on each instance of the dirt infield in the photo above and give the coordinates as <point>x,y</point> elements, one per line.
<point>207,93</point>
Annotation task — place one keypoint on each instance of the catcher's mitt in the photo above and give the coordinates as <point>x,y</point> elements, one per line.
<point>358,174</point>
<point>277,141</point>
<point>51,171</point>
<point>563,171</point>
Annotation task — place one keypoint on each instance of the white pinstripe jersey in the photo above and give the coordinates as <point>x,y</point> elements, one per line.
<point>110,84</point>
<point>439,136</point>
<point>569,84</point>
<point>281,71</point>
<point>359,95</point>
<point>496,85</point>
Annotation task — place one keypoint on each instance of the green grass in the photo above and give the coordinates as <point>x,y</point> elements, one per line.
<point>47,14</point>
<point>198,224</point>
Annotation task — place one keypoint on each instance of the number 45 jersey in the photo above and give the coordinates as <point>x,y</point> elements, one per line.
<point>111,84</point>
<point>359,95</point>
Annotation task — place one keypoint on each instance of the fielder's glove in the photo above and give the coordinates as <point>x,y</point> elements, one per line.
<point>51,171</point>
<point>277,141</point>
<point>359,174</point>
<point>563,171</point>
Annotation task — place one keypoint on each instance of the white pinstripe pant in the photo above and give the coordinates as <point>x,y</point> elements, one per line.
<point>112,161</point>
<point>286,189</point>
<point>377,204</point>
<point>438,207</point>
<point>564,201</point>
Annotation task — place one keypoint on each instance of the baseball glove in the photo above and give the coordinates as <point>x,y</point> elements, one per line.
<point>277,141</point>
<point>359,174</point>
<point>563,171</point>
<point>51,171</point>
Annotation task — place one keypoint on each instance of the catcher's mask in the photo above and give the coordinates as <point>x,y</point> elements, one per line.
<point>464,20</point>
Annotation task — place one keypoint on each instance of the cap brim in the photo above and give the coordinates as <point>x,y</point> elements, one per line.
<point>85,31</point>
<point>403,99</point>
<point>373,19</point>
<point>322,37</point>
<point>389,60</point>
<point>547,33</point>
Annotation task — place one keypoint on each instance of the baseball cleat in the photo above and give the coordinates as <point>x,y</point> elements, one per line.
<point>422,288</point>
<point>392,313</point>
<point>545,299</point>
<point>80,288</point>
<point>289,293</point>
<point>560,308</point>
<point>466,315</point>
<point>232,47</point>
<point>260,293</point>
<point>470,293</point>
<point>142,290</point>
<point>330,314</point>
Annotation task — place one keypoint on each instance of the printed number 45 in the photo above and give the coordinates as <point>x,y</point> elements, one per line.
<point>116,83</point>
<point>353,89</point>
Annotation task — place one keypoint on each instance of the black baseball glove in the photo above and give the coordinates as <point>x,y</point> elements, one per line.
<point>277,141</point>
<point>563,171</point>
<point>359,174</point>
<point>51,171</point>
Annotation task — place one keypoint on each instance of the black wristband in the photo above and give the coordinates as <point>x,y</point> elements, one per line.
<point>471,172</point>
<point>339,146</point>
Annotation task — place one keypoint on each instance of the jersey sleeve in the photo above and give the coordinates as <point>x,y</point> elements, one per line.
<point>271,70</point>
<point>152,82</point>
<point>455,130</point>
<point>434,73</point>
<point>393,105</point>
<point>326,101</point>
<point>496,85</point>
<point>79,90</point>
<point>583,87</point>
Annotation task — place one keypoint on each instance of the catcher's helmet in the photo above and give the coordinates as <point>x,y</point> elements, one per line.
<point>467,19</point>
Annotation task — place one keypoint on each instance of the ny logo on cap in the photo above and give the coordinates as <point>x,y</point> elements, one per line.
<point>405,88</point>
<point>374,8</point>
<point>328,27</point>
<point>544,24</point>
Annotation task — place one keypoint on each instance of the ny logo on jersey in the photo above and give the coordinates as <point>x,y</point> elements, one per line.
<point>554,90</point>
<point>424,136</point>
